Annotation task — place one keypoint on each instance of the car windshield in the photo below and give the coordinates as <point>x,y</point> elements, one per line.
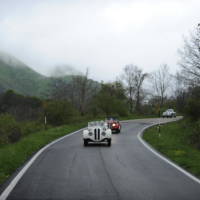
<point>97,123</point>
<point>112,119</point>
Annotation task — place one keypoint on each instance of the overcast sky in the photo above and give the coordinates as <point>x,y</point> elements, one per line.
<point>103,35</point>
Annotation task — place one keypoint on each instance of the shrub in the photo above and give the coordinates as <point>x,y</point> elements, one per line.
<point>195,136</point>
<point>193,105</point>
<point>9,129</point>
<point>21,107</point>
<point>59,112</point>
<point>30,127</point>
<point>193,108</point>
<point>14,135</point>
<point>110,105</point>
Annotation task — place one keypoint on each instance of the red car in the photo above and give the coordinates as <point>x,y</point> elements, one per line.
<point>114,125</point>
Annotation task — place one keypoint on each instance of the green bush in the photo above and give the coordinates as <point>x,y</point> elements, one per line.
<point>195,133</point>
<point>31,127</point>
<point>59,112</point>
<point>193,108</point>
<point>110,105</point>
<point>10,131</point>
<point>21,107</point>
<point>193,105</point>
<point>14,135</point>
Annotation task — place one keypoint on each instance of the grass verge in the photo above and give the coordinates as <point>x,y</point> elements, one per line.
<point>173,141</point>
<point>12,156</point>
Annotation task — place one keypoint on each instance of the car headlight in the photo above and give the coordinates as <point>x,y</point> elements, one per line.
<point>113,124</point>
<point>103,133</point>
<point>90,133</point>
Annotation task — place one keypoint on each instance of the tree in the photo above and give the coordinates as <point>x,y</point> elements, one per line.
<point>21,107</point>
<point>134,78</point>
<point>83,90</point>
<point>190,58</point>
<point>128,76</point>
<point>59,112</point>
<point>180,92</point>
<point>139,79</point>
<point>193,103</point>
<point>161,82</point>
<point>78,90</point>
<point>111,100</point>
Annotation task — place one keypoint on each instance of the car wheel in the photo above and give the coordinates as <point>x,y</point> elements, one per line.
<point>119,131</point>
<point>109,142</point>
<point>85,142</point>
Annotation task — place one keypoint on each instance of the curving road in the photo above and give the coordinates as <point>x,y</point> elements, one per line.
<point>127,171</point>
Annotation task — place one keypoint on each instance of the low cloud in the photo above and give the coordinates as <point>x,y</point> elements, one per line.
<point>101,35</point>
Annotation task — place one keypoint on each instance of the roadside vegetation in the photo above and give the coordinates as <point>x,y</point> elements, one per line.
<point>175,141</point>
<point>180,141</point>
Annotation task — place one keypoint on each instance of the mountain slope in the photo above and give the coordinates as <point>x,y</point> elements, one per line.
<point>19,77</point>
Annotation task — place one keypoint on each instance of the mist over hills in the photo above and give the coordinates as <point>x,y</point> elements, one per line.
<point>19,77</point>
<point>11,60</point>
<point>64,70</point>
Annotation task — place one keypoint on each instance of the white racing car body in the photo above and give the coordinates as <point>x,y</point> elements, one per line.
<point>169,113</point>
<point>97,132</point>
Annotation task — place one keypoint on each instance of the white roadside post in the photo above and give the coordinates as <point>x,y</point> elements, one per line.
<point>45,122</point>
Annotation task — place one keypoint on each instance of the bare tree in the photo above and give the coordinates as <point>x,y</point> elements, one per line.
<point>161,82</point>
<point>190,58</point>
<point>134,77</point>
<point>139,79</point>
<point>83,90</point>
<point>128,76</point>
<point>81,84</point>
<point>78,89</point>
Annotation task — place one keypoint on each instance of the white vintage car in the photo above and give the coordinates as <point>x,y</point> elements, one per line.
<point>97,132</point>
<point>169,113</point>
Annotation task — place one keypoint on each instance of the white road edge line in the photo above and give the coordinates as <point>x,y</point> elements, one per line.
<point>14,182</point>
<point>139,136</point>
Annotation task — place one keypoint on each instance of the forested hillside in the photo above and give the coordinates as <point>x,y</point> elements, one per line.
<point>19,77</point>
<point>15,75</point>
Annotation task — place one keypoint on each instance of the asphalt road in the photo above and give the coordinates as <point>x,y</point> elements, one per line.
<point>127,170</point>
